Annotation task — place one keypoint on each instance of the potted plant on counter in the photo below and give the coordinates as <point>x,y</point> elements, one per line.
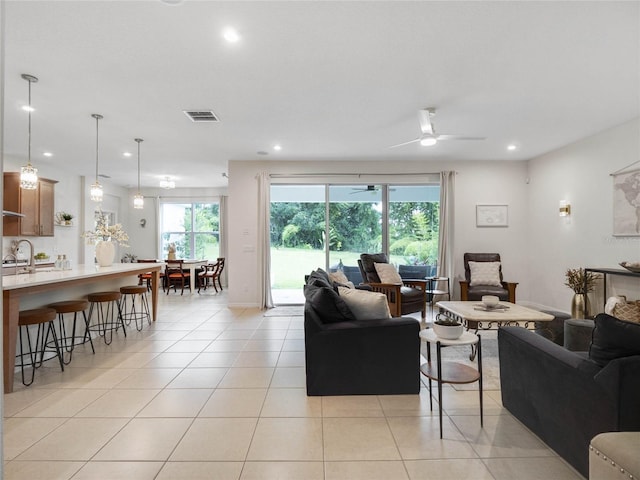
<point>581,283</point>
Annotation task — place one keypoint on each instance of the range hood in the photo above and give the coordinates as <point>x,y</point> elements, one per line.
<point>7,213</point>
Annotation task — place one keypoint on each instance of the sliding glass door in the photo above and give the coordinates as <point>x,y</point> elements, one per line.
<point>329,226</point>
<point>355,226</point>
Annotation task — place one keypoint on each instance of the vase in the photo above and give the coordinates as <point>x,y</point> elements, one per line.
<point>105,253</point>
<point>579,306</point>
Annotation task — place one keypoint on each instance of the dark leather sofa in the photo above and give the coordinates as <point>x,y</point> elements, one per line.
<point>345,356</point>
<point>567,398</point>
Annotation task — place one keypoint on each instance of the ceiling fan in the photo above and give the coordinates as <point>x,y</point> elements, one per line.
<point>429,137</point>
<point>368,188</point>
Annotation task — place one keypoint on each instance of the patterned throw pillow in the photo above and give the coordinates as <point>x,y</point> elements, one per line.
<point>485,273</point>
<point>629,311</point>
<point>365,305</point>
<point>387,273</point>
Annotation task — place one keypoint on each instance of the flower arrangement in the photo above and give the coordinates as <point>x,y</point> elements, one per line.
<point>580,281</point>
<point>106,232</point>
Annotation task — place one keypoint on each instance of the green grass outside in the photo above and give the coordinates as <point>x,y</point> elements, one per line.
<point>290,265</point>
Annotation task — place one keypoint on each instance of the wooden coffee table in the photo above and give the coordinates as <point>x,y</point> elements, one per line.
<point>474,317</point>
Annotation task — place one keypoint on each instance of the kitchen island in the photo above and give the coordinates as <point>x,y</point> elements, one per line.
<point>14,287</point>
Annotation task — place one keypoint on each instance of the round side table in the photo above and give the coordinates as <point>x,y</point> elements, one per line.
<point>449,371</point>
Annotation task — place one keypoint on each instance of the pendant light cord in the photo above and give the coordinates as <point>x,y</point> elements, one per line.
<point>29,147</point>
<point>97,120</point>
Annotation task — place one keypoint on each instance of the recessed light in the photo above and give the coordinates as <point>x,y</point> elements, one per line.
<point>48,154</point>
<point>277,148</point>
<point>511,147</point>
<point>27,108</point>
<point>230,35</point>
<point>126,154</point>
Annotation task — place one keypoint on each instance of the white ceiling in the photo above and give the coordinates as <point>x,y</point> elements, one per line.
<point>326,80</point>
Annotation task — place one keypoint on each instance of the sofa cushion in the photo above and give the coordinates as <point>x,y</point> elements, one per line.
<point>328,305</point>
<point>388,273</point>
<point>613,338</point>
<point>320,275</point>
<point>339,279</point>
<point>485,273</point>
<point>365,305</point>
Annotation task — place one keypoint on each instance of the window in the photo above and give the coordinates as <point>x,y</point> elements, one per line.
<point>194,229</point>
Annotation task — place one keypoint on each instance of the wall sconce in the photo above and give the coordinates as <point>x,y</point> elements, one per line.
<point>565,208</point>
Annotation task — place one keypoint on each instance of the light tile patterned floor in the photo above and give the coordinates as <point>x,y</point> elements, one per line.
<point>209,392</point>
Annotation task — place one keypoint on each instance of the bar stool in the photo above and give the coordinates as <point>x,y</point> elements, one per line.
<point>43,318</point>
<point>108,314</point>
<point>67,343</point>
<point>128,305</point>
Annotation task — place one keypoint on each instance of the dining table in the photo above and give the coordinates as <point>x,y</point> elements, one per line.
<point>193,265</point>
<point>42,286</point>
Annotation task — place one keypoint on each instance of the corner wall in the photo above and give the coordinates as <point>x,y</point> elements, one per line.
<point>580,174</point>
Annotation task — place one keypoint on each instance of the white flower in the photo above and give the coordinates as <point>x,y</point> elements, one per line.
<point>106,232</point>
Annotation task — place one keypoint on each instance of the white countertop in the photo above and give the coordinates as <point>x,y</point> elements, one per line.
<point>44,276</point>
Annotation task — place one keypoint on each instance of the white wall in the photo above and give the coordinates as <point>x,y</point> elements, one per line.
<point>536,248</point>
<point>476,182</point>
<point>579,173</point>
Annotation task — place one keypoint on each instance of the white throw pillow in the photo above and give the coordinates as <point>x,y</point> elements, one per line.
<point>364,304</point>
<point>388,273</point>
<point>338,276</point>
<point>485,273</point>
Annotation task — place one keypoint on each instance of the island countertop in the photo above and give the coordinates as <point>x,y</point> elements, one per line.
<point>45,276</point>
<point>24,285</point>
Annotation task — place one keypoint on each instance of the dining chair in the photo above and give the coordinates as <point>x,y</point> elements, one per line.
<point>176,275</point>
<point>211,273</point>
<point>146,277</point>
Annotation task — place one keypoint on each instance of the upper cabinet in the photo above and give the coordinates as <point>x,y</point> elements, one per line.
<point>36,206</point>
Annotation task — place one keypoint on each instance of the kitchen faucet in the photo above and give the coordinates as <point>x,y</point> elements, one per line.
<point>15,262</point>
<point>31,268</point>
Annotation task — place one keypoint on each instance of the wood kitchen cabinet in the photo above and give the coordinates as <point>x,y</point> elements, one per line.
<point>36,206</point>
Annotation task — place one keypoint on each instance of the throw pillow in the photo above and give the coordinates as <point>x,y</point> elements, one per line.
<point>629,311</point>
<point>613,338</point>
<point>387,273</point>
<point>365,305</point>
<point>338,276</point>
<point>485,273</point>
<point>327,303</point>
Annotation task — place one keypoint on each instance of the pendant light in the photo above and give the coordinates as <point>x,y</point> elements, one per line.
<point>138,199</point>
<point>29,174</point>
<point>96,188</point>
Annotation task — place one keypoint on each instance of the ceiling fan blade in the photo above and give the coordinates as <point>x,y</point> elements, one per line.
<point>405,143</point>
<point>424,116</point>
<point>458,137</point>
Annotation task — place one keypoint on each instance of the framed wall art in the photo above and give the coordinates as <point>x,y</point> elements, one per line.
<point>626,203</point>
<point>492,215</point>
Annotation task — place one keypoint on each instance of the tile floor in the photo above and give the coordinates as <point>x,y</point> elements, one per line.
<point>210,392</point>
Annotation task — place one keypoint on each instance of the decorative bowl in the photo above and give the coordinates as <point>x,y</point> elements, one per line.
<point>490,301</point>
<point>631,266</point>
<point>448,332</point>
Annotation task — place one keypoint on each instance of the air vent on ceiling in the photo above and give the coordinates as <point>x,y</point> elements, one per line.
<point>201,115</point>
